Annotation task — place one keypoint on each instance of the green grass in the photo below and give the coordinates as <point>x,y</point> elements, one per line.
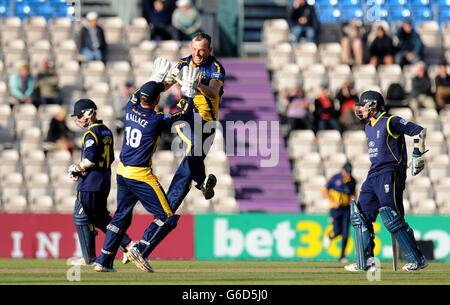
<point>53,272</point>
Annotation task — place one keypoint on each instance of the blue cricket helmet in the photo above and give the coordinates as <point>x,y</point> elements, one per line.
<point>369,100</point>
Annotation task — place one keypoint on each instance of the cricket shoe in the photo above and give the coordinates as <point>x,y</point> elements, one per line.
<point>125,259</point>
<point>100,268</point>
<point>208,187</point>
<point>135,256</point>
<point>414,266</point>
<point>370,266</point>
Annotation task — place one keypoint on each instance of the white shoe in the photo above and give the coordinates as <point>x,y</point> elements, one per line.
<point>100,268</point>
<point>414,266</point>
<point>370,266</point>
<point>136,257</point>
<point>125,259</point>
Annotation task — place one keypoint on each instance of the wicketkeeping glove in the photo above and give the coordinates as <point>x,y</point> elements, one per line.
<point>188,79</point>
<point>161,67</point>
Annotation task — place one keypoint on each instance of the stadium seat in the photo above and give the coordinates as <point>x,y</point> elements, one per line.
<point>286,77</point>
<point>365,77</point>
<point>93,72</point>
<point>14,54</point>
<point>279,55</point>
<point>226,205</point>
<point>361,164</point>
<point>11,29</point>
<point>425,206</point>
<point>347,14</point>
<point>300,142</point>
<point>15,203</point>
<point>35,29</point>
<point>97,91</point>
<point>60,29</point>
<point>403,112</point>
<point>275,31</point>
<point>438,167</point>
<point>333,164</point>
<point>319,206</point>
<point>197,203</point>
<point>389,74</point>
<point>137,31</point>
<point>144,52</point>
<point>308,166</point>
<point>337,75</point>
<point>113,28</point>
<point>306,53</point>
<point>311,189</point>
<point>313,76</point>
<point>330,54</point>
<point>41,204</point>
<point>38,50</point>
<point>169,49</point>
<point>119,73</point>
<point>66,204</point>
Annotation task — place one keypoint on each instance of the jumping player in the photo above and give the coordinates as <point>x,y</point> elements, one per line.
<point>382,191</point>
<point>135,180</point>
<point>93,174</point>
<point>206,108</point>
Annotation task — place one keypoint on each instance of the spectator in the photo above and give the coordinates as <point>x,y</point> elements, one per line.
<point>186,19</point>
<point>324,111</point>
<point>297,113</point>
<point>303,21</point>
<point>159,16</point>
<point>59,136</point>
<point>47,88</point>
<point>121,99</point>
<point>409,46</point>
<point>442,82</point>
<point>421,89</point>
<point>347,101</point>
<point>381,49</point>
<point>352,43</point>
<point>22,85</point>
<point>92,42</point>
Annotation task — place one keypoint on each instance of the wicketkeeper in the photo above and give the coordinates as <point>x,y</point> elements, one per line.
<point>93,174</point>
<point>382,191</point>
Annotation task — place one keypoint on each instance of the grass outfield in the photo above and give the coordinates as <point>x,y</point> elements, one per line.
<point>49,272</point>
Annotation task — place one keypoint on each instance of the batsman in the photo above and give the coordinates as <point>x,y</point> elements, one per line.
<point>382,191</point>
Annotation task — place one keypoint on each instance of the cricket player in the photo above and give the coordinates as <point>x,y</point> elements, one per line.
<point>93,174</point>
<point>382,191</point>
<point>206,108</point>
<point>135,180</point>
<point>339,190</point>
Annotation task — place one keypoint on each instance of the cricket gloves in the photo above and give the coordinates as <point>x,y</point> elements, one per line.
<point>188,79</point>
<point>417,160</point>
<point>160,70</point>
<point>73,172</point>
<point>77,170</point>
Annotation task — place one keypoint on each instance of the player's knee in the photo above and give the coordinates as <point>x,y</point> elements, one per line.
<point>391,219</point>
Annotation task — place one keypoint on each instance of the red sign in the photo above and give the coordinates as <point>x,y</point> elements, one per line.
<point>29,235</point>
